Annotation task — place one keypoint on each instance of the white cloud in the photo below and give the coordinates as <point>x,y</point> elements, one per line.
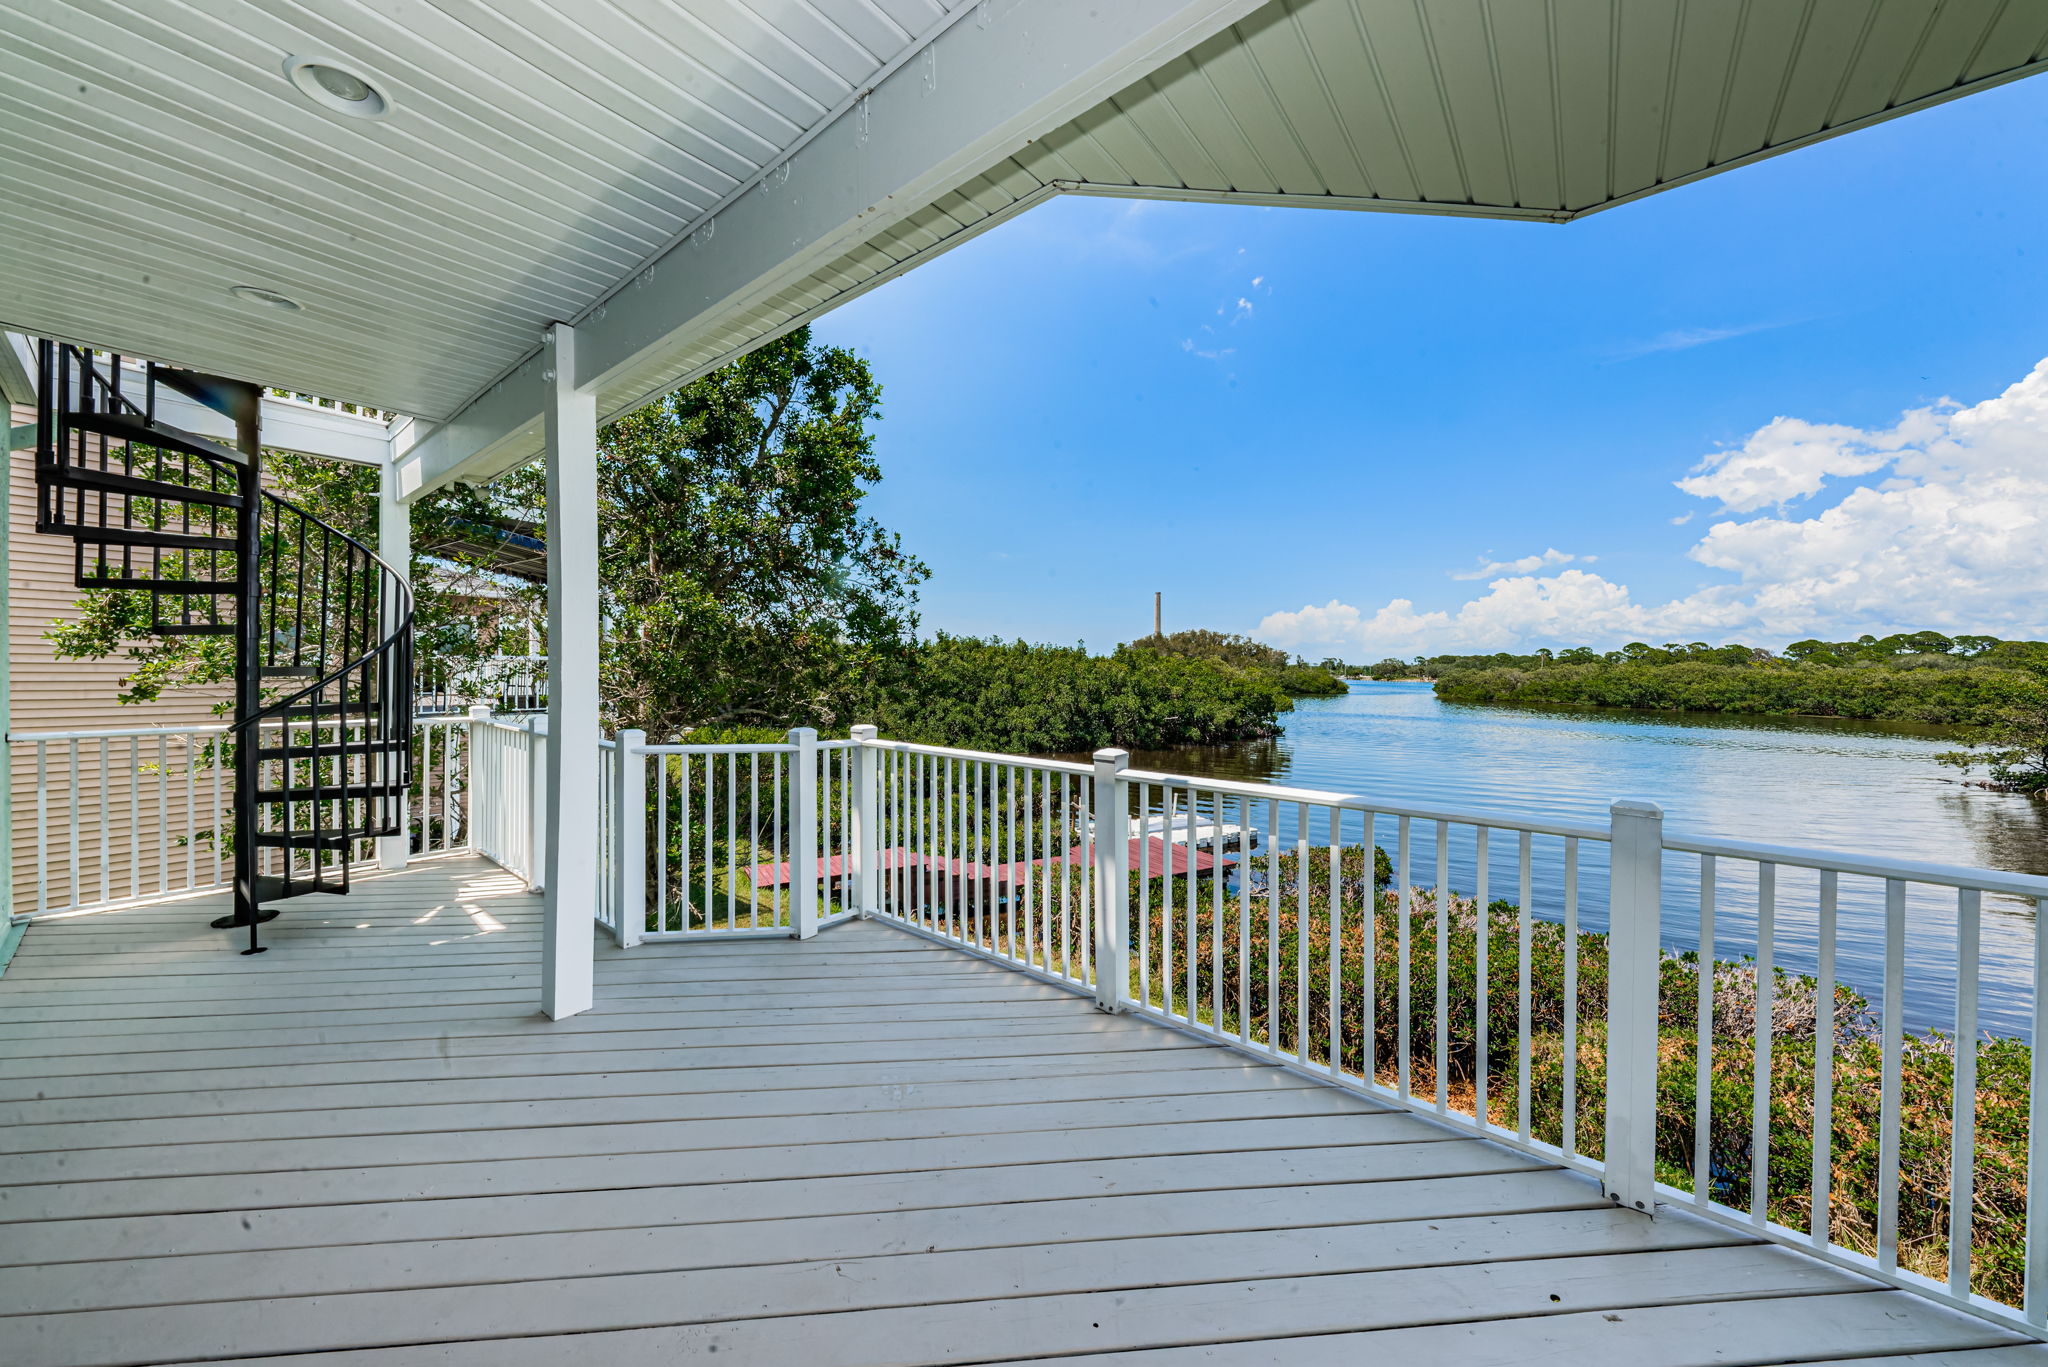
<point>1947,529</point>
<point>1684,339</point>
<point>1528,564</point>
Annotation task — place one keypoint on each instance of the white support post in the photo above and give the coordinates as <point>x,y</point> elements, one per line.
<point>571,858</point>
<point>803,854</point>
<point>863,841</point>
<point>629,822</point>
<point>1635,908</point>
<point>537,804</point>
<point>1112,882</point>
<point>394,547</point>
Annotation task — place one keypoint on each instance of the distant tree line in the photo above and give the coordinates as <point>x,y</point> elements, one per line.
<point>1902,650</point>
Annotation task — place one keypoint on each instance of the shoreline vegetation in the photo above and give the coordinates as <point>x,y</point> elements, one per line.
<point>1995,691</point>
<point>1566,1020</point>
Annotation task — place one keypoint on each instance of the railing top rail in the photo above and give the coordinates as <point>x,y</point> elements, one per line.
<point>1872,866</point>
<point>904,747</point>
<point>1366,802</point>
<point>114,733</point>
<point>729,749</point>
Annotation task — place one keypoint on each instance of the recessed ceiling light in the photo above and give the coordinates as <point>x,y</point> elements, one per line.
<point>256,294</point>
<point>333,85</point>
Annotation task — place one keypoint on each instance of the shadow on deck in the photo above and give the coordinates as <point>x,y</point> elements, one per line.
<point>367,1147</point>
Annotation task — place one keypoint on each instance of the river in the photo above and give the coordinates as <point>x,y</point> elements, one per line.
<point>1821,783</point>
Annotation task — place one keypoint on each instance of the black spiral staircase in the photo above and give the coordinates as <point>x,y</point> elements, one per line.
<point>181,527</point>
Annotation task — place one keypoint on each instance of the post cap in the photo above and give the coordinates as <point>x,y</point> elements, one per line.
<point>864,731</point>
<point>1635,806</point>
<point>480,711</point>
<point>1115,759</point>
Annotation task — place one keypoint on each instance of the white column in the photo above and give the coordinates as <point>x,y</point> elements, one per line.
<point>1634,909</point>
<point>803,841</point>
<point>1113,881</point>
<point>571,858</point>
<point>394,548</point>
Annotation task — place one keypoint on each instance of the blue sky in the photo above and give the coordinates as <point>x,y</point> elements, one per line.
<point>1262,411</point>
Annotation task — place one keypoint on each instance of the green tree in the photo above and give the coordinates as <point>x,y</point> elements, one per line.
<point>741,581</point>
<point>2012,746</point>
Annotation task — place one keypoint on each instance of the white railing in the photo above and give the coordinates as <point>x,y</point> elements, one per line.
<point>120,815</point>
<point>1533,981</point>
<point>506,783</point>
<point>1816,1049</point>
<point>129,814</point>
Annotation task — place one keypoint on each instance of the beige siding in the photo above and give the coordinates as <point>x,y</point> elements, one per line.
<point>117,853</point>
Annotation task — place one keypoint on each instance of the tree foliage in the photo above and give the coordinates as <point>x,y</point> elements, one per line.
<point>1293,676</point>
<point>1042,699</point>
<point>742,582</point>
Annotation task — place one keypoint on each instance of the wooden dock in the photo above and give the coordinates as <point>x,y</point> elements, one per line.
<point>365,1147</point>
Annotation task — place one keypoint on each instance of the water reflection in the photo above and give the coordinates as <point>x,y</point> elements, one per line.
<point>1824,783</point>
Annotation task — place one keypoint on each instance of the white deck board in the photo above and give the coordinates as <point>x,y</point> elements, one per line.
<point>367,1147</point>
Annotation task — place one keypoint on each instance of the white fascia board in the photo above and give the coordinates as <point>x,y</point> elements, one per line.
<point>978,92</point>
<point>288,426</point>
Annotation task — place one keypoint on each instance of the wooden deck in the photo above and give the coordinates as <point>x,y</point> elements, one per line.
<point>366,1147</point>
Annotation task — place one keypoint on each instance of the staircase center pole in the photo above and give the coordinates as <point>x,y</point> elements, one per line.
<point>248,666</point>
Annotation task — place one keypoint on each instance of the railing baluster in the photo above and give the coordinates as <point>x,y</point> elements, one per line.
<point>1525,949</point>
<point>1215,909</point>
<point>1244,918</point>
<point>1823,1061</point>
<point>1301,932</point>
<point>1443,966</point>
<point>1962,1182</point>
<point>1369,957</point>
<point>1402,962</point>
<point>1568,1139</point>
<point>1766,991</point>
<point>661,842</point>
<point>732,842</point>
<point>1273,928</point>
<point>1336,942</point>
<point>1703,1046</point>
<point>42,827</point>
<point>1482,926</point>
<point>2035,1296</point>
<point>1889,1085</point>
<point>106,829</point>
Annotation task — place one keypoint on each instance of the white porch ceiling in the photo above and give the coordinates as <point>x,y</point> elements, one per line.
<point>544,154</point>
<point>153,155</point>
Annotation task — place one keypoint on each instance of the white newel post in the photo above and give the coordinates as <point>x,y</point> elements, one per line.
<point>803,853</point>
<point>394,547</point>
<point>1635,909</point>
<point>629,821</point>
<point>537,804</point>
<point>571,855</point>
<point>1112,882</point>
<point>474,795</point>
<point>863,841</point>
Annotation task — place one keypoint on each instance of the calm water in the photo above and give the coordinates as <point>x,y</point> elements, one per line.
<point>1865,787</point>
